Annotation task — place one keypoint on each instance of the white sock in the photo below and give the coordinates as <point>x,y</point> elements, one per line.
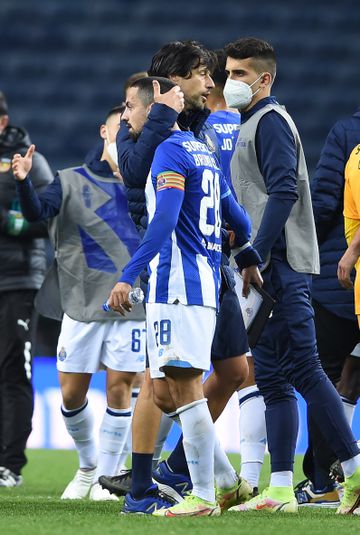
<point>113,433</point>
<point>252,427</point>
<point>128,443</point>
<point>80,425</point>
<point>165,426</point>
<point>281,479</point>
<point>350,465</point>
<point>199,441</point>
<point>225,474</point>
<point>349,409</point>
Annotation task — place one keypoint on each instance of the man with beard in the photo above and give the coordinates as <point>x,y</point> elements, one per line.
<point>189,65</point>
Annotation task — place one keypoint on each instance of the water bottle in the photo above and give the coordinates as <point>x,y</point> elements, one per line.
<point>136,295</point>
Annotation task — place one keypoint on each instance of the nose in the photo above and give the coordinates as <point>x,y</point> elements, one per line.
<point>209,82</point>
<point>125,115</point>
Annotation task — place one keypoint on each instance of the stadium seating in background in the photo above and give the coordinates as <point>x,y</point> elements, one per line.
<point>64,62</point>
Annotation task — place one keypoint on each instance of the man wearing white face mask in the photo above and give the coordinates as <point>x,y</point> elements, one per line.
<point>94,237</point>
<point>269,175</point>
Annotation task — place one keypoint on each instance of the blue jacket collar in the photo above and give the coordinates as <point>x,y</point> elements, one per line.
<point>97,166</point>
<point>193,120</point>
<point>245,115</point>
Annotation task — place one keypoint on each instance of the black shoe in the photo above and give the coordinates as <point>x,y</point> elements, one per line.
<point>336,472</point>
<point>119,485</point>
<point>255,492</point>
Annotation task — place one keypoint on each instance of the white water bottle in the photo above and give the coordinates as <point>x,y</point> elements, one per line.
<point>136,295</point>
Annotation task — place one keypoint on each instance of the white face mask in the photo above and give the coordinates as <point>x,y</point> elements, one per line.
<point>238,94</point>
<point>113,153</point>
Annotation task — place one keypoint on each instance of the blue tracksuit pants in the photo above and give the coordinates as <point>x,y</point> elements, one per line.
<point>286,357</point>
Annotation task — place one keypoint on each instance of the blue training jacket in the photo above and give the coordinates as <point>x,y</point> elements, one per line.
<point>327,195</point>
<point>135,157</point>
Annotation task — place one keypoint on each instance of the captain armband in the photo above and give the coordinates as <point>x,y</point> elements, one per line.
<point>170,179</point>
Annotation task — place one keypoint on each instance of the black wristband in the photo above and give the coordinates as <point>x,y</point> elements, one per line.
<point>249,257</point>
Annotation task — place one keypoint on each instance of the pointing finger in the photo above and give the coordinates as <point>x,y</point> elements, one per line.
<point>30,151</point>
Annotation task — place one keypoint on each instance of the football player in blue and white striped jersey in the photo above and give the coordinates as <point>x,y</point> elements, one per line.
<point>187,196</point>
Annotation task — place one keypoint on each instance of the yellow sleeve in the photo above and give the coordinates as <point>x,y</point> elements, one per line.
<point>352,185</point>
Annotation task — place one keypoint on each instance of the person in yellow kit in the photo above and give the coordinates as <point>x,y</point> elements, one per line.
<point>351,257</point>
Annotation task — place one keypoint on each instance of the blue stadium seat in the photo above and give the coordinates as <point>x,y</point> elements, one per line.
<point>66,62</point>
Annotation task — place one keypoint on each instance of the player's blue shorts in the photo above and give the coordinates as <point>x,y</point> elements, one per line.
<point>230,338</point>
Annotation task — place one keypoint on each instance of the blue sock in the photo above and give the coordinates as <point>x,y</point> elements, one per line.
<point>326,410</point>
<point>282,422</point>
<point>177,461</point>
<point>141,478</point>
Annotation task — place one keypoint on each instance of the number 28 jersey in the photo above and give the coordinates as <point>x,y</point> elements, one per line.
<point>187,269</point>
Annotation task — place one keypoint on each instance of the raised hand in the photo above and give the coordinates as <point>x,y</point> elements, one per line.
<point>173,98</point>
<point>21,165</point>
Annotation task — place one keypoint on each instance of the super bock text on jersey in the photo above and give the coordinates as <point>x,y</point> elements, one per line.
<point>226,125</point>
<point>186,270</point>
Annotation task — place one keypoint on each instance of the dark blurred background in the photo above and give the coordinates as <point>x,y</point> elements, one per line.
<point>64,62</point>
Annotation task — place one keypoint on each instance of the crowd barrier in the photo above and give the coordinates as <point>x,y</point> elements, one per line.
<point>49,430</point>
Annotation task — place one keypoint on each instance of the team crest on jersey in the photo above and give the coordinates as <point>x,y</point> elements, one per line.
<point>5,165</point>
<point>62,354</point>
<point>209,143</point>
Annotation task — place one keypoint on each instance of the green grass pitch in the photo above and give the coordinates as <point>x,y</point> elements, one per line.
<point>35,509</point>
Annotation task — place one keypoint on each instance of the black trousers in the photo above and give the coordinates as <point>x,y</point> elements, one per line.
<point>336,338</point>
<point>16,393</point>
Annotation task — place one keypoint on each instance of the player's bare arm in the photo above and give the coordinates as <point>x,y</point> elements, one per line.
<point>348,261</point>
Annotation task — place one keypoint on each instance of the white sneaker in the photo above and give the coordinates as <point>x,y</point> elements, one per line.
<point>98,494</point>
<point>9,478</point>
<point>79,487</point>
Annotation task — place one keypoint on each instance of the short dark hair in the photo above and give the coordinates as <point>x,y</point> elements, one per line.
<point>3,104</point>
<point>219,75</point>
<point>260,52</point>
<point>179,58</point>
<point>135,76</point>
<point>116,109</point>
<point>146,90</point>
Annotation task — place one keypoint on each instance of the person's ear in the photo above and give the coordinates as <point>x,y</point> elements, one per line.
<point>102,131</point>
<point>266,79</point>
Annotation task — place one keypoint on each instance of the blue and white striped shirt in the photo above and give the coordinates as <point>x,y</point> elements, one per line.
<point>187,267</point>
<point>185,192</point>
